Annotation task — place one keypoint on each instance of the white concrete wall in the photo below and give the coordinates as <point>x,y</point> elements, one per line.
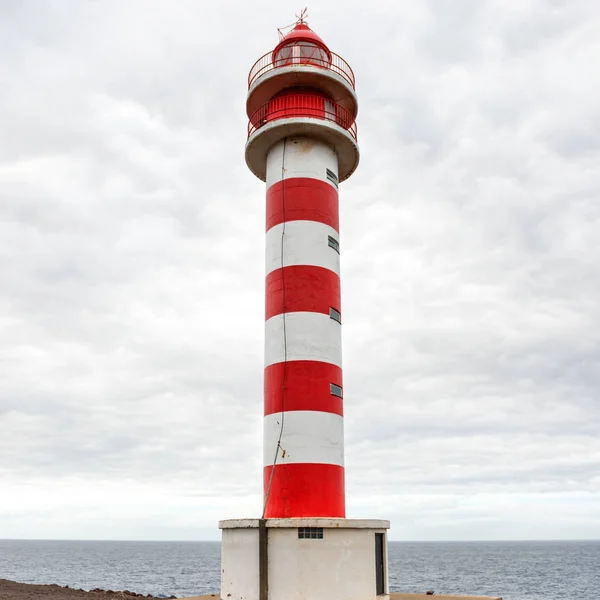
<point>308,437</point>
<point>239,564</point>
<point>341,566</point>
<point>306,243</point>
<point>308,336</point>
<point>304,157</point>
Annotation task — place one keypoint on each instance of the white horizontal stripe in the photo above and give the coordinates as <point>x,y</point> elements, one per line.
<point>308,336</point>
<point>304,243</point>
<point>304,157</point>
<point>308,437</point>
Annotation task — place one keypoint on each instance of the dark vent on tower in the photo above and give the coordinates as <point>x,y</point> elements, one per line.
<point>333,243</point>
<point>331,176</point>
<point>335,390</point>
<point>310,533</point>
<point>335,314</point>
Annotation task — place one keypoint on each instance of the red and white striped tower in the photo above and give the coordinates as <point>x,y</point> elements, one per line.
<point>302,142</point>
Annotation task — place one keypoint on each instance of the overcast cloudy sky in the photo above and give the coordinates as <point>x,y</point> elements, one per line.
<point>131,267</point>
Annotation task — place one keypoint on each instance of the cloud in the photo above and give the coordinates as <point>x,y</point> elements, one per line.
<point>131,249</point>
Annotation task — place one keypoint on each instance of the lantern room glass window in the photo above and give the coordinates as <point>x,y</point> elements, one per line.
<point>301,53</point>
<point>284,54</point>
<point>312,52</point>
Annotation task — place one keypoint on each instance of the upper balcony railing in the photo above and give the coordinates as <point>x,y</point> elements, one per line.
<point>265,64</point>
<point>302,105</point>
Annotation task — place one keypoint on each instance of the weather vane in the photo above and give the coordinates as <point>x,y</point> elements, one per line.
<point>300,20</point>
<point>303,16</point>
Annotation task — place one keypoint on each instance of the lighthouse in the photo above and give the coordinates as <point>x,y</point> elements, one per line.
<point>302,142</point>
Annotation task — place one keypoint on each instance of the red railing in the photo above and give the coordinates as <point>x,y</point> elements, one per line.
<point>266,63</point>
<point>302,105</point>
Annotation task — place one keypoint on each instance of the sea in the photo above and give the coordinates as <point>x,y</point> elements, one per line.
<point>560,570</point>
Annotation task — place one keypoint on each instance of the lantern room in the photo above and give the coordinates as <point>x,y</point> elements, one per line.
<point>301,59</point>
<point>301,46</point>
<point>301,87</point>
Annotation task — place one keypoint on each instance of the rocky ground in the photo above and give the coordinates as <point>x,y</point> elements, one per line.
<point>11,590</point>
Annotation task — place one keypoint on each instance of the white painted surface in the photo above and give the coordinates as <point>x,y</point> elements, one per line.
<point>324,522</point>
<point>239,563</point>
<point>304,243</point>
<point>309,336</point>
<point>266,137</point>
<point>238,523</point>
<point>304,157</point>
<point>309,522</point>
<point>340,566</point>
<point>309,436</point>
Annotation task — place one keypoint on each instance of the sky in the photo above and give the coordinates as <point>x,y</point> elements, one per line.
<point>132,269</point>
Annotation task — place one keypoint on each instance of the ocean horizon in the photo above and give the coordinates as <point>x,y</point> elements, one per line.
<point>512,569</point>
<point>175,541</point>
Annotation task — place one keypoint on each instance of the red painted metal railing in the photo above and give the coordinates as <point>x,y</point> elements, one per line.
<point>302,105</point>
<point>337,64</point>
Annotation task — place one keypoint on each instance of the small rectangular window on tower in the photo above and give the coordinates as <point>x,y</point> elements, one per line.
<point>331,176</point>
<point>333,243</point>
<point>310,533</point>
<point>335,390</point>
<point>335,314</point>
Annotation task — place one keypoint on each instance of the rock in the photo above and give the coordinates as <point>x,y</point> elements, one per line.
<point>429,593</point>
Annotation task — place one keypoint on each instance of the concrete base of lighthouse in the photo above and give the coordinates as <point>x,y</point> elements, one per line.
<point>304,559</point>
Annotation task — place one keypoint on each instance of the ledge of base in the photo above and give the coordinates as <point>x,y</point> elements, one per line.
<point>304,522</point>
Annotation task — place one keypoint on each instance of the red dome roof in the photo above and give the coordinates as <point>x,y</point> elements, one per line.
<point>302,33</point>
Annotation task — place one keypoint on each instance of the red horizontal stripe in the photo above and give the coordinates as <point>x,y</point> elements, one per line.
<point>307,289</point>
<point>306,387</point>
<point>304,199</point>
<point>305,490</point>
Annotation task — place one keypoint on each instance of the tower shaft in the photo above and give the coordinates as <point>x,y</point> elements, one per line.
<point>303,406</point>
